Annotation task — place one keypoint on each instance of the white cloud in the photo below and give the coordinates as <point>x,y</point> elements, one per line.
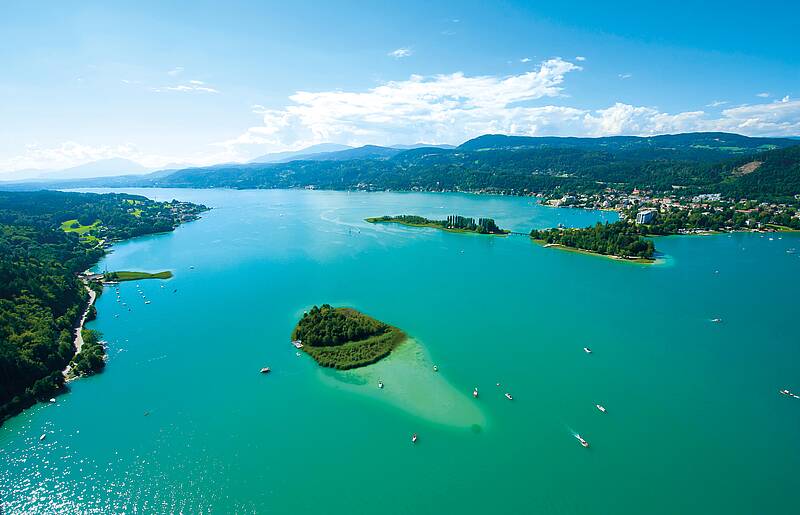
<point>438,108</point>
<point>763,95</point>
<point>580,58</point>
<point>717,103</point>
<point>175,71</point>
<point>525,60</point>
<point>400,53</point>
<point>64,155</point>
<point>71,153</point>
<point>625,75</point>
<point>454,107</point>
<point>192,86</point>
<point>779,118</point>
<point>447,108</point>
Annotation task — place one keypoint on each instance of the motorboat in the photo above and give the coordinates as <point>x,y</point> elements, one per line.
<point>380,384</point>
<point>587,350</point>
<point>44,435</point>
<point>265,370</point>
<point>475,393</point>
<point>509,397</point>
<point>414,438</point>
<point>716,320</point>
<point>435,368</point>
<point>601,408</point>
<point>582,441</point>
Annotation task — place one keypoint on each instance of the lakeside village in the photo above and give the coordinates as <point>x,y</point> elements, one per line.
<point>687,215</point>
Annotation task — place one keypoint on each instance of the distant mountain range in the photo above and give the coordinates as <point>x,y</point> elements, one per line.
<point>689,163</point>
<point>103,168</point>
<point>336,152</point>
<point>282,157</point>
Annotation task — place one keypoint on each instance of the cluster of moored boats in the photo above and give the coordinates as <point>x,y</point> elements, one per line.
<point>298,344</point>
<point>508,396</point>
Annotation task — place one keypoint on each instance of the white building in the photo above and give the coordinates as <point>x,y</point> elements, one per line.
<point>646,216</point>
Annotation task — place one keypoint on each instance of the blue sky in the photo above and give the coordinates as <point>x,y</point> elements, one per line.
<point>204,82</point>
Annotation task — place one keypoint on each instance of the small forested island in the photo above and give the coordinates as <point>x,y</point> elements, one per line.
<point>454,223</point>
<point>344,338</point>
<point>621,240</point>
<point>47,238</point>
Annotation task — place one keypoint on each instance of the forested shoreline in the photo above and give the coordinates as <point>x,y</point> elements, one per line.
<point>41,297</point>
<point>620,239</point>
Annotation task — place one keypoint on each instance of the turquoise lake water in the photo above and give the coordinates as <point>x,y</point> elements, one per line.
<point>694,424</point>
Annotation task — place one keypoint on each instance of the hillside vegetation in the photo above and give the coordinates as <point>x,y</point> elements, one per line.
<point>41,297</point>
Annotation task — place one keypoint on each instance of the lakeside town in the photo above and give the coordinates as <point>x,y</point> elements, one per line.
<point>686,214</point>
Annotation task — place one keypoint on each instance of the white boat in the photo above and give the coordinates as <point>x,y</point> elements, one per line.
<point>414,438</point>
<point>44,435</point>
<point>785,392</point>
<point>509,397</point>
<point>435,368</point>
<point>475,393</point>
<point>265,370</point>
<point>582,441</point>
<point>147,302</point>
<point>380,384</point>
<point>601,408</point>
<point>587,350</point>
<point>52,399</point>
<point>298,344</point>
<point>716,320</point>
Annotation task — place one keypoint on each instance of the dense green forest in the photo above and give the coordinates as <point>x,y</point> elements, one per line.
<point>41,297</point>
<point>690,163</point>
<point>621,239</point>
<point>91,359</point>
<point>453,223</point>
<point>344,338</point>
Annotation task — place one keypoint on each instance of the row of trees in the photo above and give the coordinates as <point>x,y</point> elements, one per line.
<point>483,226</point>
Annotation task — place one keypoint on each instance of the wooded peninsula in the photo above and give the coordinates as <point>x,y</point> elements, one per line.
<point>47,238</point>
<point>344,338</point>
<point>454,223</point>
<point>621,239</point>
